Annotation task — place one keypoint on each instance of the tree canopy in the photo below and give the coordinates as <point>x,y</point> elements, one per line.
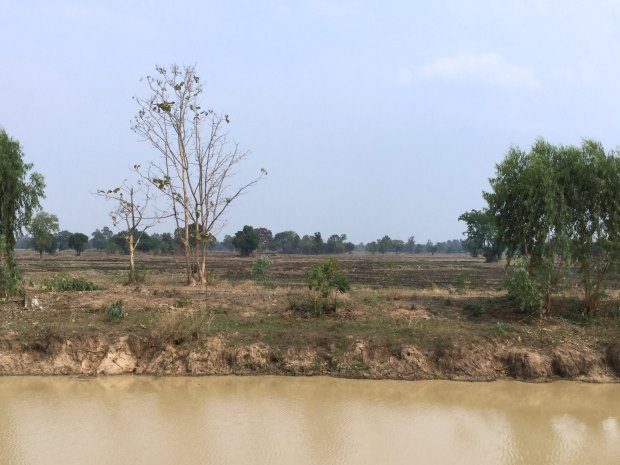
<point>557,206</point>
<point>20,193</point>
<point>78,242</point>
<point>197,159</point>
<point>43,229</point>
<point>246,241</point>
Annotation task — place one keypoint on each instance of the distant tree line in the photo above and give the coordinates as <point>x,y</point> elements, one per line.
<point>387,245</point>
<point>45,237</point>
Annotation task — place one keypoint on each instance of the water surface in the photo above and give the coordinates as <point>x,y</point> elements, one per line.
<point>279,420</point>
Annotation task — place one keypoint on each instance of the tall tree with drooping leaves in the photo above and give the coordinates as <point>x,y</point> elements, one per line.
<point>557,206</point>
<point>20,194</point>
<point>529,212</point>
<point>591,189</point>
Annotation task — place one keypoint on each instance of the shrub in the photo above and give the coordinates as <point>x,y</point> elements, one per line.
<point>475,309</point>
<point>115,311</point>
<point>261,270</point>
<point>523,290</point>
<point>463,281</point>
<point>326,280</point>
<point>138,275</point>
<point>325,277</point>
<point>64,283</point>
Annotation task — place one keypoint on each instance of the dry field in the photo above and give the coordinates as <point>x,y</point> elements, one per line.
<point>441,308</point>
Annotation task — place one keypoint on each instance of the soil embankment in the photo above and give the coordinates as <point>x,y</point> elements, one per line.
<point>405,317</point>
<point>121,354</point>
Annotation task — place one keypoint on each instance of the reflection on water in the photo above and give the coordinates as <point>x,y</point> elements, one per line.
<point>271,420</point>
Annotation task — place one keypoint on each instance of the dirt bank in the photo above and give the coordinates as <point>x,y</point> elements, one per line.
<point>127,353</point>
<point>404,318</point>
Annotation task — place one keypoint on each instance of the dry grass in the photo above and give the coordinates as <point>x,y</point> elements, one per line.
<point>434,303</point>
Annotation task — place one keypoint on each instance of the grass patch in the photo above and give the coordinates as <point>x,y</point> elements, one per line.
<point>182,301</point>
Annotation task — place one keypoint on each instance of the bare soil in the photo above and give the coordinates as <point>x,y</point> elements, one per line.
<point>406,317</point>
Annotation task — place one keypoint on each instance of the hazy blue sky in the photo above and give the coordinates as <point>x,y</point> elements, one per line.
<point>371,117</point>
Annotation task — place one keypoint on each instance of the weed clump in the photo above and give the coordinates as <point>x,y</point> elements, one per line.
<point>115,311</point>
<point>64,283</point>
<point>182,301</point>
<point>138,275</point>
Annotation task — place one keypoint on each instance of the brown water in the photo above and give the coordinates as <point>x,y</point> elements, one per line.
<point>269,420</point>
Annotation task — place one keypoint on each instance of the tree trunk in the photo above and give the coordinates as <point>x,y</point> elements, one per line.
<point>186,244</point>
<point>132,265</point>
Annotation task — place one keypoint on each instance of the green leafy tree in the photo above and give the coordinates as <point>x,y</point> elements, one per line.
<point>372,247</point>
<point>590,185</point>
<point>100,237</point>
<point>384,244</point>
<point>265,237</point>
<point>149,243</point>
<point>62,239</point>
<point>555,206</point>
<point>410,244</point>
<point>286,242</point>
<point>306,244</point>
<point>430,247</point>
<point>349,247</point>
<point>78,242</point>
<point>335,244</point>
<point>529,212</point>
<point>42,229</point>
<point>246,241</point>
<point>318,246</point>
<point>227,242</point>
<point>20,193</point>
<point>482,238</point>
<point>398,245</point>
<point>167,245</point>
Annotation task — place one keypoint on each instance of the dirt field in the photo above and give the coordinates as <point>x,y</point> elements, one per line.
<point>410,317</point>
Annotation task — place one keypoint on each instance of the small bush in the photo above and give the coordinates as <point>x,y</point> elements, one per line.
<point>463,282</point>
<point>523,290</point>
<point>139,275</point>
<point>326,280</point>
<point>64,283</point>
<point>261,270</point>
<point>326,277</point>
<point>475,309</point>
<point>115,311</point>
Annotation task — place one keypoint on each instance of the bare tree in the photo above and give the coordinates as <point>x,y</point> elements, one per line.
<point>197,159</point>
<point>131,213</point>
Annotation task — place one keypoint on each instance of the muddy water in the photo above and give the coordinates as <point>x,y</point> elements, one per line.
<point>265,420</point>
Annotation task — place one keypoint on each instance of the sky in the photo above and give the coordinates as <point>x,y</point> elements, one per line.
<point>371,117</point>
